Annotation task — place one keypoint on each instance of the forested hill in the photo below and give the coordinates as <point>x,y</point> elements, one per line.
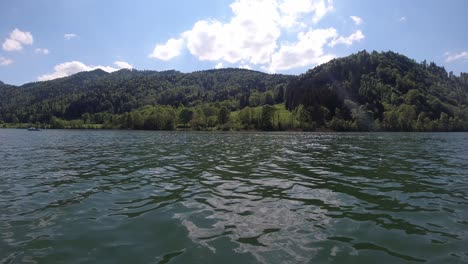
<point>382,91</point>
<point>362,92</point>
<point>122,91</point>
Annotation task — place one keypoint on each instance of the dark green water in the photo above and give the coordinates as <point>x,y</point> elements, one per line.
<point>167,197</point>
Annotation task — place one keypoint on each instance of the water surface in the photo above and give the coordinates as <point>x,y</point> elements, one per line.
<point>186,197</point>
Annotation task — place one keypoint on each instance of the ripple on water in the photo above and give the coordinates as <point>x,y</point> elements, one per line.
<point>160,197</point>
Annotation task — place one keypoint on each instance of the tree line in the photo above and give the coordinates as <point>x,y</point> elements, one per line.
<point>363,92</point>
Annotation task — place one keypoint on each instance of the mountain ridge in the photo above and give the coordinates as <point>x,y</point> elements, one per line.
<point>148,72</point>
<point>361,92</point>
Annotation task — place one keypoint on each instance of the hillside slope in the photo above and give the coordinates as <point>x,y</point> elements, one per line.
<point>362,92</point>
<point>381,91</point>
<point>122,91</point>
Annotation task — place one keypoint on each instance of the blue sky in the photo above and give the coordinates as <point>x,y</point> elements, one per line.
<point>46,39</point>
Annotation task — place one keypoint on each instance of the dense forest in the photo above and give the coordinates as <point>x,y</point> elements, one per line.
<point>362,92</point>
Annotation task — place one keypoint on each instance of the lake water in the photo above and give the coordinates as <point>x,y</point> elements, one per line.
<point>185,197</point>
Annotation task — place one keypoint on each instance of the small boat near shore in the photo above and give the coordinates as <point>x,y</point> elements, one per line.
<point>34,129</point>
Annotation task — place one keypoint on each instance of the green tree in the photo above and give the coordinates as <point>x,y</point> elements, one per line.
<point>198,121</point>
<point>129,122</point>
<point>443,122</point>
<point>86,117</point>
<point>363,118</point>
<point>421,122</point>
<point>57,123</point>
<point>245,116</point>
<point>138,120</point>
<point>185,116</point>
<point>406,117</point>
<point>267,121</point>
<point>14,119</point>
<point>223,116</point>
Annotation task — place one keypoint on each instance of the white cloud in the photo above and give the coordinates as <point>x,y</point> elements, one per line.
<point>402,19</point>
<point>123,65</point>
<point>253,36</point>
<point>292,11</point>
<point>65,69</point>
<point>72,67</point>
<point>321,8</point>
<point>457,56</point>
<point>357,20</point>
<point>69,68</point>
<point>170,50</point>
<point>250,35</point>
<point>245,66</point>
<point>42,51</point>
<point>11,45</point>
<point>5,61</point>
<point>219,66</point>
<point>306,51</point>
<point>21,36</point>
<point>69,36</point>
<point>356,36</point>
<point>17,39</point>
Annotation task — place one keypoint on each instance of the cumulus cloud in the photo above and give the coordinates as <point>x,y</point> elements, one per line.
<point>356,36</point>
<point>308,50</point>
<point>42,51</point>
<point>5,61</point>
<point>357,20</point>
<point>170,50</point>
<point>69,68</point>
<point>69,36</point>
<point>17,40</point>
<point>11,45</point>
<point>457,56</point>
<point>245,66</point>
<point>253,35</point>
<point>321,8</point>
<point>250,35</point>
<point>219,66</point>
<point>123,65</point>
<point>402,19</point>
<point>293,11</point>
